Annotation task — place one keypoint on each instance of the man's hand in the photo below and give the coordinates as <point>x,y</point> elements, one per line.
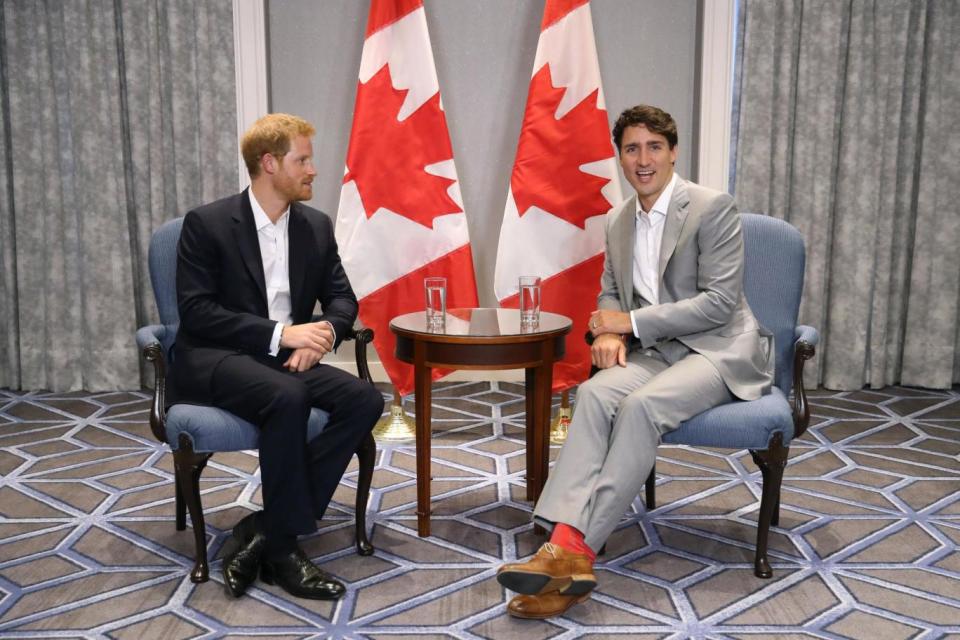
<point>608,350</point>
<point>311,335</point>
<point>302,359</point>
<point>606,321</point>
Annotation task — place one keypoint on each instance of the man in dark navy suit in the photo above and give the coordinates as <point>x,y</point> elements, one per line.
<point>250,271</point>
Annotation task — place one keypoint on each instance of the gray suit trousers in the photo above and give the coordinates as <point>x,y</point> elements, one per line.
<point>619,417</point>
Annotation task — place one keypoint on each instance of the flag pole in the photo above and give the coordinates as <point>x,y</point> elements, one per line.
<point>560,424</point>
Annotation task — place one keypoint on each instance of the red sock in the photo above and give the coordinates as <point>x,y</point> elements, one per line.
<point>566,537</point>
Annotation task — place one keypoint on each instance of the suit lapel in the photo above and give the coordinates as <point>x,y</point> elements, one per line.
<point>676,216</point>
<point>627,230</point>
<point>298,235</point>
<point>245,231</point>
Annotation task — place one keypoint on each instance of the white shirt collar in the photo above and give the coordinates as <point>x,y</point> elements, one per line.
<point>660,207</point>
<point>260,217</point>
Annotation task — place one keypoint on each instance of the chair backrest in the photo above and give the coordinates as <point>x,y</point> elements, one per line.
<point>774,260</point>
<point>162,259</point>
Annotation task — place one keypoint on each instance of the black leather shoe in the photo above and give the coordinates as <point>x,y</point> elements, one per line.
<point>300,577</point>
<point>240,569</point>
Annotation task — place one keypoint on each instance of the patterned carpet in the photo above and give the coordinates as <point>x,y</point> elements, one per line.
<point>867,548</point>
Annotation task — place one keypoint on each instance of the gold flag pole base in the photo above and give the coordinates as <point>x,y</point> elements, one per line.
<point>560,424</point>
<point>395,427</point>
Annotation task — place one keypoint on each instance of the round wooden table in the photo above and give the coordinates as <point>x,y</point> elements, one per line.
<point>483,339</point>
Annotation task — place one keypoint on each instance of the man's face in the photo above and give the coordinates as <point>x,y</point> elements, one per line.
<point>647,161</point>
<point>295,172</point>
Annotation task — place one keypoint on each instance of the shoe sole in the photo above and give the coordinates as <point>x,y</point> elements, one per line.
<point>533,584</point>
<point>544,616</point>
<point>580,584</point>
<point>267,577</point>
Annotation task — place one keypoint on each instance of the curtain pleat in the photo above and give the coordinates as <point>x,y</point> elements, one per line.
<point>846,128</point>
<point>104,138</point>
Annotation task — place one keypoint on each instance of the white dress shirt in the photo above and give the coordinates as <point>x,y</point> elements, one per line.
<point>274,252</point>
<point>646,249</point>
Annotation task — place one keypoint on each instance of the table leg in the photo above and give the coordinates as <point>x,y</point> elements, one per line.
<point>422,382</point>
<point>530,379</point>
<point>541,431</point>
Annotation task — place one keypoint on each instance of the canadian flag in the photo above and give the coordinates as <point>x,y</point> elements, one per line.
<point>401,215</point>
<point>564,180</point>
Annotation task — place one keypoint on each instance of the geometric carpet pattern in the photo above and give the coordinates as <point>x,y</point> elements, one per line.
<point>867,545</point>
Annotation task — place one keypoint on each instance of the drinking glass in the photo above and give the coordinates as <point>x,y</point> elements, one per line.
<point>435,290</point>
<point>529,301</point>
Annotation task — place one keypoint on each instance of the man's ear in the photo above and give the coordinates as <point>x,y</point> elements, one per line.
<point>268,163</point>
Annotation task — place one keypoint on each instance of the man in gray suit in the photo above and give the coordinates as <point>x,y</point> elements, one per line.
<point>674,336</point>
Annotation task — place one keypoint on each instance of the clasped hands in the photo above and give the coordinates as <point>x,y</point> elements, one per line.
<point>310,342</point>
<point>609,329</point>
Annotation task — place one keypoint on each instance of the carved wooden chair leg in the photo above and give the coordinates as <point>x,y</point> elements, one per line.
<point>189,465</point>
<point>367,456</point>
<point>771,462</point>
<point>651,489</point>
<point>180,507</point>
<point>775,518</point>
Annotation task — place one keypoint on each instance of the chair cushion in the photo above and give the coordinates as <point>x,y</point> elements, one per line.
<point>738,425</point>
<point>211,429</point>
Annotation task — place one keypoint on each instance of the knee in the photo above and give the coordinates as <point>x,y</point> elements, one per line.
<point>594,394</point>
<point>589,390</point>
<point>374,399</point>
<point>641,405</point>
<point>367,401</point>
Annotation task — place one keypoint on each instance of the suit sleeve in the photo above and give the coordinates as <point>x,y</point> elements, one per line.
<point>719,281</point>
<point>337,301</point>
<point>198,280</point>
<point>609,297</point>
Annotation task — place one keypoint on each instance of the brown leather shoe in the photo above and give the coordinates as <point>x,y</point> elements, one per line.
<point>553,568</point>
<point>544,605</point>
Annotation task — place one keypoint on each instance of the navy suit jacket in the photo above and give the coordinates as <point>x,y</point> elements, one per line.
<point>221,291</point>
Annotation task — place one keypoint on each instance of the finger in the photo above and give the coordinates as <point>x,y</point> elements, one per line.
<point>316,343</point>
<point>294,360</point>
<point>622,356</point>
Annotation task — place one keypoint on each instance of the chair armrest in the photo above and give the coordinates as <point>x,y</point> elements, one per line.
<point>804,348</point>
<point>149,339</point>
<point>150,334</point>
<point>363,337</point>
<point>804,333</point>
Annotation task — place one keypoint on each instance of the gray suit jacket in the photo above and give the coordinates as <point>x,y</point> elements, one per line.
<point>701,286</point>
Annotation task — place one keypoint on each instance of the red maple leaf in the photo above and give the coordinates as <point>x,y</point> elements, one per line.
<point>547,170</point>
<point>387,157</point>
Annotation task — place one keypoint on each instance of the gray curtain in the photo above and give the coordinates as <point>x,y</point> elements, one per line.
<point>848,126</point>
<point>116,116</point>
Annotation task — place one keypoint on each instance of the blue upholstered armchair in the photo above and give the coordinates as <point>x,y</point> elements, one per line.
<point>773,282</point>
<point>196,432</point>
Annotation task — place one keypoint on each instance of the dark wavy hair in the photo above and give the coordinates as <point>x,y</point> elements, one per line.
<point>654,119</point>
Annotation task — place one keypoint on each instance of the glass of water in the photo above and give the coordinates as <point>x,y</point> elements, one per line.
<point>435,290</point>
<point>529,302</point>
